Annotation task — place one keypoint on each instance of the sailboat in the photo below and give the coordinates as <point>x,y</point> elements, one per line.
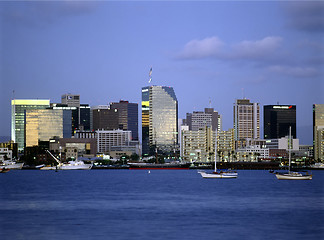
<point>292,175</point>
<point>220,174</point>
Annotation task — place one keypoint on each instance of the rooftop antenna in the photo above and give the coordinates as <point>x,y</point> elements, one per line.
<point>150,75</point>
<point>209,102</point>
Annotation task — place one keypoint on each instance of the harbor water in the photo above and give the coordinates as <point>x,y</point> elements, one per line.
<point>160,204</point>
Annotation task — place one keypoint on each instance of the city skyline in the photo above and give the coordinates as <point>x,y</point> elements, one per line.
<point>207,51</point>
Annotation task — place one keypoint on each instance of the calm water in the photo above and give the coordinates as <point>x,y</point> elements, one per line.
<point>165,204</point>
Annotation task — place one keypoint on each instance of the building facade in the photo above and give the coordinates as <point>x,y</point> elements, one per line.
<point>277,120</point>
<point>127,116</point>
<point>108,138</point>
<point>318,131</point>
<point>198,146</point>
<point>159,120</point>
<point>43,124</point>
<point>18,109</point>
<point>246,119</point>
<point>209,118</point>
<point>104,118</point>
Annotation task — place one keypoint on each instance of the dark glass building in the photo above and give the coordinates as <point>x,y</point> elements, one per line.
<point>127,116</point>
<point>104,118</point>
<point>277,120</point>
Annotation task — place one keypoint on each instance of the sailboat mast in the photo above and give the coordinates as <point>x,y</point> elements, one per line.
<point>289,147</point>
<point>215,149</point>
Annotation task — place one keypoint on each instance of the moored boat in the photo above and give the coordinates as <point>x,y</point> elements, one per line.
<point>220,174</point>
<point>292,175</point>
<point>10,164</point>
<point>71,165</point>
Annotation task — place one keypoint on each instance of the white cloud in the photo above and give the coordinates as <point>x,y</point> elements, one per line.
<point>256,49</point>
<point>197,49</point>
<point>214,47</point>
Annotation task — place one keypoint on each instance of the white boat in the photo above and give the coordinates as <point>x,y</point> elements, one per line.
<point>9,164</point>
<point>292,175</point>
<point>71,165</point>
<point>220,174</point>
<point>319,165</point>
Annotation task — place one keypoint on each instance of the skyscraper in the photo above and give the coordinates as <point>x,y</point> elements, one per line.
<point>127,116</point>
<point>43,124</point>
<point>318,131</point>
<point>159,119</point>
<point>104,118</point>
<point>246,119</point>
<point>81,115</point>
<point>277,120</point>
<point>18,109</point>
<point>198,120</point>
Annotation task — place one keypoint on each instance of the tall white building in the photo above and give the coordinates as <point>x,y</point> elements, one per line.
<point>318,131</point>
<point>246,119</point>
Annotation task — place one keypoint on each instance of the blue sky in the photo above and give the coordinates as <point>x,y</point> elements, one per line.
<point>218,51</point>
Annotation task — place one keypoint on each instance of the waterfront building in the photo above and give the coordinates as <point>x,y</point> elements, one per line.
<point>226,145</point>
<point>81,113</point>
<point>318,131</point>
<point>198,145</point>
<point>127,116</point>
<point>11,145</point>
<point>254,152</point>
<point>73,148</point>
<point>18,109</point>
<point>104,118</point>
<point>246,119</point>
<point>159,120</point>
<point>43,124</point>
<point>277,120</point>
<point>282,143</point>
<point>108,138</point>
<point>199,119</point>
<point>5,154</point>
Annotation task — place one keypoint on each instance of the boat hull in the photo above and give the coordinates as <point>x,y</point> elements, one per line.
<point>218,175</point>
<point>12,165</point>
<point>293,176</point>
<point>152,166</point>
<point>69,167</point>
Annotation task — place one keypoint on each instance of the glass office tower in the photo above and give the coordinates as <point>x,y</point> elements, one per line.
<point>159,120</point>
<point>18,109</point>
<point>277,120</point>
<point>127,116</point>
<point>43,124</point>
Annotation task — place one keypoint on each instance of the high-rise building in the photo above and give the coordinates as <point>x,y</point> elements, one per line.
<point>104,118</point>
<point>43,124</point>
<point>108,138</point>
<point>209,118</point>
<point>277,120</point>
<point>318,131</point>
<point>71,100</point>
<point>80,115</point>
<point>18,109</point>
<point>159,120</point>
<point>246,119</point>
<point>127,116</point>
<point>198,145</point>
